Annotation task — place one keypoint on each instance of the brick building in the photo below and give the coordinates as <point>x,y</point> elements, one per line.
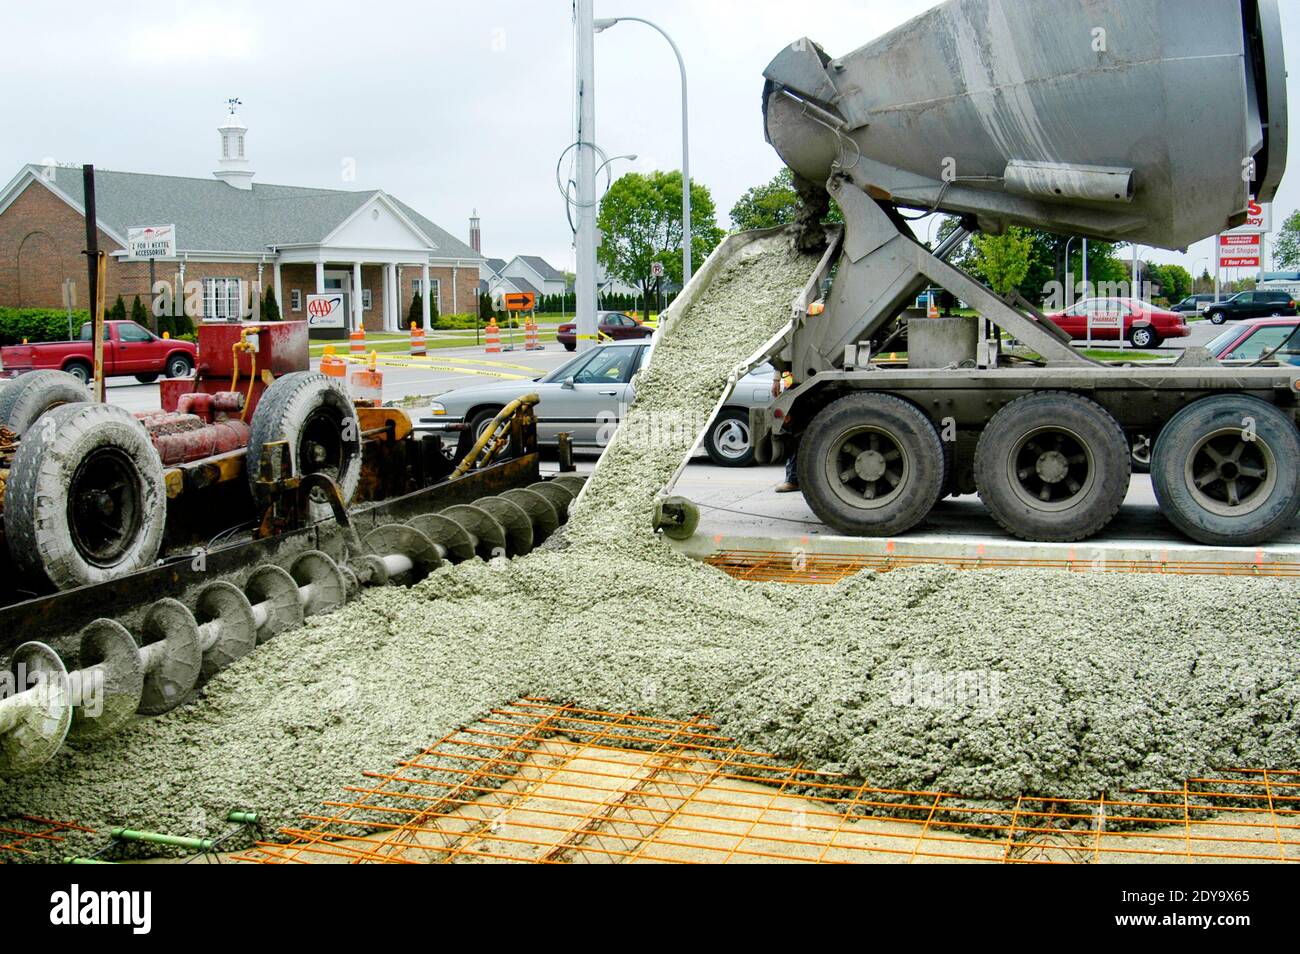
<point>234,238</point>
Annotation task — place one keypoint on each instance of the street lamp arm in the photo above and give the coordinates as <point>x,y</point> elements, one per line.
<point>605,23</point>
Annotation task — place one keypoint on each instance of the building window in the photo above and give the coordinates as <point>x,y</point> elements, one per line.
<point>435,285</point>
<point>223,299</point>
<point>295,299</point>
<point>241,145</point>
<point>366,299</point>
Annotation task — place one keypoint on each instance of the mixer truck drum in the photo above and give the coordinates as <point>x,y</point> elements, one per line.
<point>35,720</point>
<point>29,397</point>
<point>489,536</point>
<point>455,540</point>
<point>314,415</point>
<point>1052,466</point>
<point>559,496</point>
<point>407,554</point>
<point>871,465</point>
<point>85,500</point>
<point>227,626</point>
<point>173,657</point>
<point>274,596</point>
<point>321,585</point>
<point>541,513</point>
<point>107,688</point>
<point>514,520</point>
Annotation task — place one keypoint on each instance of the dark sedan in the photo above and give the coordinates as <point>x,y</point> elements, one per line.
<point>611,326</point>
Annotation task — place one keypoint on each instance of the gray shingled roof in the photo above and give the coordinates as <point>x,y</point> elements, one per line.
<point>543,268</point>
<point>521,284</point>
<point>211,216</point>
<point>496,264</point>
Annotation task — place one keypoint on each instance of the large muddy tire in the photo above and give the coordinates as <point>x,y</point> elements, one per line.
<point>871,465</point>
<point>315,416</point>
<point>1226,470</point>
<point>85,501</point>
<point>1052,466</point>
<point>728,441</point>
<point>31,395</point>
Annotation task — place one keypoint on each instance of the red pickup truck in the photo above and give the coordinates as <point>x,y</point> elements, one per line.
<point>128,349</point>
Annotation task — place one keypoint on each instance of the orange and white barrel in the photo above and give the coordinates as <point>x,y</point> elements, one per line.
<point>492,336</point>
<point>357,342</point>
<point>417,340</point>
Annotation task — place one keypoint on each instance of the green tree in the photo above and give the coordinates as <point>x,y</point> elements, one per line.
<point>1004,260</point>
<point>415,314</point>
<point>773,203</point>
<point>270,307</point>
<point>1175,281</point>
<point>139,314</point>
<point>1286,253</point>
<point>117,312</point>
<point>641,223</point>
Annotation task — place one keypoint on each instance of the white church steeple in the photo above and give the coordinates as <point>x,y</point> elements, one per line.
<point>233,168</point>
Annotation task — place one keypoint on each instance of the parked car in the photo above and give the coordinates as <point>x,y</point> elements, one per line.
<point>1253,304</point>
<point>587,395</point>
<point>128,349</point>
<point>1145,325</point>
<point>615,325</point>
<point>1193,304</point>
<point>1251,340</point>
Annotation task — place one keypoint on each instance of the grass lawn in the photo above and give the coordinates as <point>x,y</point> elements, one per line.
<point>389,343</point>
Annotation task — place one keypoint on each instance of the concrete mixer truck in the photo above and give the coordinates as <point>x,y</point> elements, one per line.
<point>1151,122</point>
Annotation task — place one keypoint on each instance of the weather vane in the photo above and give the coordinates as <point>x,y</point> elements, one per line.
<point>233,102</point>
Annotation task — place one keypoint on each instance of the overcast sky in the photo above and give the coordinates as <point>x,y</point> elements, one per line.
<point>448,106</point>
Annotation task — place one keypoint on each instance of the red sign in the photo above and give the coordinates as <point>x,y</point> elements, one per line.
<point>1239,251</point>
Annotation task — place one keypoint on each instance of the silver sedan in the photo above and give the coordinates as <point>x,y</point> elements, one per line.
<point>587,397</point>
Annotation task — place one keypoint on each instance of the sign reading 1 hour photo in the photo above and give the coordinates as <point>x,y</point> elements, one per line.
<point>325,311</point>
<point>151,241</point>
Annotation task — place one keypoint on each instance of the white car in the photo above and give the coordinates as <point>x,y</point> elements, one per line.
<point>587,396</point>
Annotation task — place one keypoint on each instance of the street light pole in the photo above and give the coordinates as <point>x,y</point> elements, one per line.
<point>604,24</point>
<point>584,286</point>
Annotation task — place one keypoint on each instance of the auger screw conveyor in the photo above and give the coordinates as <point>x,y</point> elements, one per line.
<point>1011,112</point>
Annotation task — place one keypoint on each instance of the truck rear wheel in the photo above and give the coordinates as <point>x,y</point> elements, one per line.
<point>85,500</point>
<point>315,416</point>
<point>1226,470</point>
<point>1052,466</point>
<point>24,401</point>
<point>871,465</point>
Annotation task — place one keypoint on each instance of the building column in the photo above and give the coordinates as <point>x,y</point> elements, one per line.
<point>357,320</point>
<point>454,306</point>
<point>279,291</point>
<point>390,298</point>
<point>424,295</point>
<point>320,278</point>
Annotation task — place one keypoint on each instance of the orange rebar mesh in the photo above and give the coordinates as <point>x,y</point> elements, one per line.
<point>542,783</point>
<point>22,830</point>
<point>774,566</point>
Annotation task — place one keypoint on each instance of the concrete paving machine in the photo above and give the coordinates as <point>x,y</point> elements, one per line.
<point>1152,122</point>
<point>143,553</point>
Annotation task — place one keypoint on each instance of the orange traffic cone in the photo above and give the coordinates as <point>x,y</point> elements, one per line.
<point>332,365</point>
<point>417,339</point>
<point>492,335</point>
<point>933,310</point>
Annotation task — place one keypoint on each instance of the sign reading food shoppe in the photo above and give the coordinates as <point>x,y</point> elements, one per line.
<point>1239,251</point>
<point>151,241</point>
<point>325,311</point>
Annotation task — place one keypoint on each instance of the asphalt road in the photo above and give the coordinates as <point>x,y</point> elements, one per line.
<point>441,370</point>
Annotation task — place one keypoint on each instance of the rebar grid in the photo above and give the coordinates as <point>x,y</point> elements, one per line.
<point>542,783</point>
<point>775,566</point>
<point>22,830</point>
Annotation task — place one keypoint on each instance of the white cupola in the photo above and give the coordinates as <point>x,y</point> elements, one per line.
<point>233,168</point>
